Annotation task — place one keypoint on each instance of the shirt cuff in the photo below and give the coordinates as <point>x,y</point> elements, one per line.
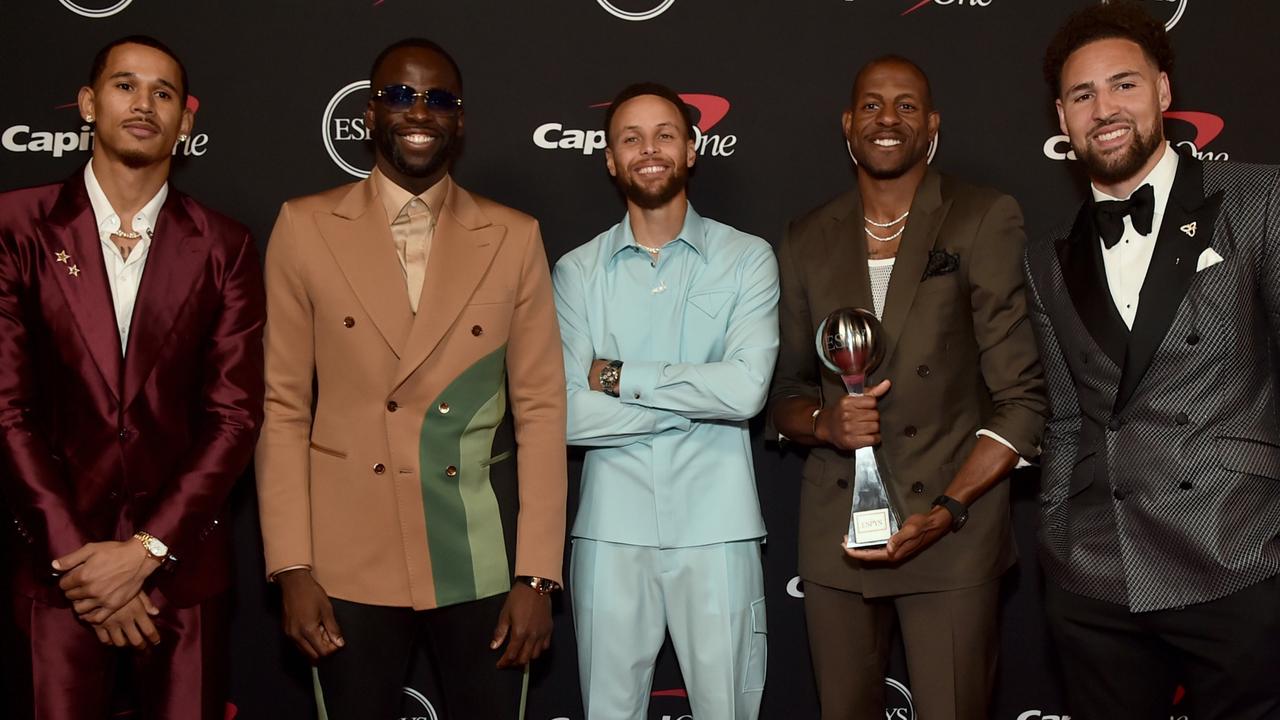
<point>1022,462</point>
<point>638,380</point>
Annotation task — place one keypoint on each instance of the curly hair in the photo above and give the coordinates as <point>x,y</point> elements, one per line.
<point>1123,19</point>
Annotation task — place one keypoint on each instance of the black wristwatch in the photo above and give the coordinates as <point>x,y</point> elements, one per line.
<point>959,513</point>
<point>610,375</point>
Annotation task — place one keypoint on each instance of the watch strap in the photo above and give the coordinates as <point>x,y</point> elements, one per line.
<point>959,512</point>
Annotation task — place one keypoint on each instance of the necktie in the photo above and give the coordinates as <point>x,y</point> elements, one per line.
<point>1108,215</point>
<point>412,232</point>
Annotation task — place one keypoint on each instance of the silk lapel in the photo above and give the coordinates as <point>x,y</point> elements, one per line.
<point>174,262</point>
<point>1173,265</point>
<point>358,235</point>
<point>72,229</point>
<point>927,213</point>
<point>462,249</point>
<point>1080,256</point>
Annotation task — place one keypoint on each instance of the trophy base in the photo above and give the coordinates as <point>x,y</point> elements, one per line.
<point>870,528</point>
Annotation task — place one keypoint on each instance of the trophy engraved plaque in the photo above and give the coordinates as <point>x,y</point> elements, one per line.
<point>849,344</point>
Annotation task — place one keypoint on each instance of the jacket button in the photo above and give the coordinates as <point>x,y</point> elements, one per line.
<point>379,468</point>
<point>1184,485</point>
<point>444,408</point>
<point>1192,339</point>
<point>477,330</point>
<point>842,483</point>
<point>392,406</point>
<point>917,487</point>
<point>1114,423</point>
<point>1117,494</point>
<point>909,431</point>
<point>923,371</point>
<point>348,321</point>
<point>1181,418</point>
<point>451,471</point>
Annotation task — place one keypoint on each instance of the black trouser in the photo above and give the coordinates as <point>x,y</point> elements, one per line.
<point>1117,664</point>
<point>364,679</point>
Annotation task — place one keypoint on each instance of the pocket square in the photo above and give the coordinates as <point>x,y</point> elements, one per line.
<point>1208,259</point>
<point>941,262</point>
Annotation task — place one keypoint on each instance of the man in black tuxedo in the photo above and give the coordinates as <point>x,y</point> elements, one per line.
<point>1156,314</point>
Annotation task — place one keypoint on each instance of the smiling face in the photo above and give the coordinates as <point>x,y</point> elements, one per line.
<point>1113,97</point>
<point>890,123</point>
<point>136,104</point>
<point>650,151</point>
<point>414,146</point>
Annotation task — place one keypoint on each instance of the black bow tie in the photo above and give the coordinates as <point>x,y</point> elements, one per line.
<point>1108,215</point>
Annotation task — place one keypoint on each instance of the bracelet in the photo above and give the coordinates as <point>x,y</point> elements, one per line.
<point>813,422</point>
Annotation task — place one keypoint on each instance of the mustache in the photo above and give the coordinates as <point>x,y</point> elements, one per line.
<point>144,120</point>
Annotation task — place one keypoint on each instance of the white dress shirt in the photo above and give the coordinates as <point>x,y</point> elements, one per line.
<point>1127,261</point>
<point>123,274</point>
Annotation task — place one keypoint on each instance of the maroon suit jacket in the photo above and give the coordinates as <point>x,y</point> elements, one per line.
<point>96,446</point>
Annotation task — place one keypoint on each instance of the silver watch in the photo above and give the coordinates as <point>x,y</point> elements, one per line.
<point>610,375</point>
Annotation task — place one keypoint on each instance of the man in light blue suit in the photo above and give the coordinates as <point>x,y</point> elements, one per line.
<point>670,332</point>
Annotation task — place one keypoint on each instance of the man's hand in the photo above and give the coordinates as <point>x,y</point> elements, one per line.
<point>853,421</point>
<point>917,533</point>
<point>526,620</point>
<point>308,614</point>
<point>593,375</point>
<point>101,577</point>
<point>131,625</point>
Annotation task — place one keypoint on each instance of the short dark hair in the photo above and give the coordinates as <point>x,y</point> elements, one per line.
<point>1123,19</point>
<point>100,60</point>
<point>893,58</point>
<point>419,43</point>
<point>635,90</point>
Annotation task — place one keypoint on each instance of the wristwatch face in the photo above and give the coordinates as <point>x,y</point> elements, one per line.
<point>155,547</point>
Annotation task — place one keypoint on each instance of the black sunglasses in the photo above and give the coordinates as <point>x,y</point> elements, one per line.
<point>402,97</point>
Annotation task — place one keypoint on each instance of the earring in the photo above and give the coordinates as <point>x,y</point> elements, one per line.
<point>182,138</point>
<point>850,149</point>
<point>88,118</point>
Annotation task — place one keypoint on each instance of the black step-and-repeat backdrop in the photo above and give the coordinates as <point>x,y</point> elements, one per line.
<point>279,89</point>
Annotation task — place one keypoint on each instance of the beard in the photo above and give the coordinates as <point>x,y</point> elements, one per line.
<point>136,159</point>
<point>888,172</point>
<point>385,139</point>
<point>1120,166</point>
<point>652,198</point>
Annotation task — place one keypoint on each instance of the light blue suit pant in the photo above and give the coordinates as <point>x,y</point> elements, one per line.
<point>710,597</point>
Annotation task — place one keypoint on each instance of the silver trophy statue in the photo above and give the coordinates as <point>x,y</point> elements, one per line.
<point>849,345</point>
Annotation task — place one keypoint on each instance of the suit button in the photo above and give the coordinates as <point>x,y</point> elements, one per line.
<point>1117,494</point>
<point>909,431</point>
<point>923,371</point>
<point>1181,418</point>
<point>842,483</point>
<point>636,396</point>
<point>392,406</point>
<point>477,330</point>
<point>917,487</point>
<point>1184,485</point>
<point>1192,339</point>
<point>1114,423</point>
<point>379,468</point>
<point>451,471</point>
<point>444,408</point>
<point>348,321</point>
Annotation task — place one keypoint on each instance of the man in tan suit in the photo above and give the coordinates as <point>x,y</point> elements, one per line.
<point>958,398</point>
<point>402,505</point>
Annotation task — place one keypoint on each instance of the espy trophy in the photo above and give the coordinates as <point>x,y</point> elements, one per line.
<point>849,344</point>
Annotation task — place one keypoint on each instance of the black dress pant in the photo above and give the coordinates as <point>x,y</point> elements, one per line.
<point>1118,664</point>
<point>365,679</point>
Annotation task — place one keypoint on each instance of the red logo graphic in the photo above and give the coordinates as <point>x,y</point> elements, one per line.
<point>1208,126</point>
<point>711,109</point>
<point>957,3</point>
<point>674,692</point>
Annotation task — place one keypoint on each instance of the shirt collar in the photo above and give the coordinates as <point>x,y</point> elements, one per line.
<point>1160,179</point>
<point>692,233</point>
<point>105,215</point>
<point>394,197</point>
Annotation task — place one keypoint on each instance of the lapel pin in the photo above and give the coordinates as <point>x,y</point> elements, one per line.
<point>1189,229</point>
<point>62,256</point>
<point>74,271</point>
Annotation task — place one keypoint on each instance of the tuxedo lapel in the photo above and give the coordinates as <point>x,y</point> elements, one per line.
<point>928,210</point>
<point>174,262</point>
<point>359,236</point>
<point>1080,256</point>
<point>462,249</point>
<point>1173,266</point>
<point>73,230</point>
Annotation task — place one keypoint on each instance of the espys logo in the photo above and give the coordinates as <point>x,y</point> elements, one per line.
<point>898,704</point>
<point>101,9</point>
<point>417,706</point>
<point>1168,11</point>
<point>709,110</point>
<point>636,10</point>
<point>344,132</point>
<point>917,4</point>
<point>22,138</point>
<point>1204,128</point>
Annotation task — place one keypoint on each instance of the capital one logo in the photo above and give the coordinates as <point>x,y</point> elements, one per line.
<point>1167,11</point>
<point>709,111</point>
<point>636,10</point>
<point>417,706</point>
<point>917,4</point>
<point>99,9</point>
<point>1190,130</point>
<point>25,137</point>
<point>345,135</point>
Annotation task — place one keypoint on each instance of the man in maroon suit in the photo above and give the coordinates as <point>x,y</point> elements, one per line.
<point>130,400</point>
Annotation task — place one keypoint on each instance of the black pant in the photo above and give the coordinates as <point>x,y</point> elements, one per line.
<point>1118,664</point>
<point>365,678</point>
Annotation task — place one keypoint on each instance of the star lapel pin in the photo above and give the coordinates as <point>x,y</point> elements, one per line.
<point>62,256</point>
<point>1189,229</point>
<point>74,271</point>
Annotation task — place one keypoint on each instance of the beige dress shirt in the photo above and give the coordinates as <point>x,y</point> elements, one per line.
<point>413,225</point>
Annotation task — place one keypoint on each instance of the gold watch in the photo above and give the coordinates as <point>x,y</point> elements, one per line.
<point>154,546</point>
<point>542,586</point>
